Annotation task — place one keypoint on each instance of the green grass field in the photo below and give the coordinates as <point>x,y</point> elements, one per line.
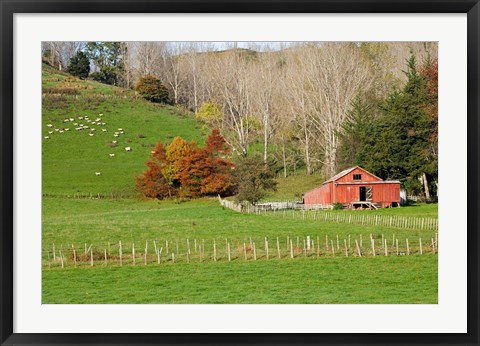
<point>70,160</point>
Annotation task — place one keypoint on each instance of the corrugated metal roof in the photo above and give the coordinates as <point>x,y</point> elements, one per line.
<point>341,174</point>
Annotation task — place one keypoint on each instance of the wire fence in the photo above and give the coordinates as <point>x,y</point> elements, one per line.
<point>158,252</point>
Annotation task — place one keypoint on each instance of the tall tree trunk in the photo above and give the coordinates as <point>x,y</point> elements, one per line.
<point>284,157</point>
<point>425,187</point>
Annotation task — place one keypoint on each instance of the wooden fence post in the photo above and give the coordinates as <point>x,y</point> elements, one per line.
<point>254,252</point>
<point>408,248</point>
<point>214,251</point>
<point>386,248</point>
<point>291,249</point>
<point>133,253</point>
<point>421,250</point>
<point>120,252</point>
<point>358,248</point>
<point>278,249</point>
<point>346,248</point>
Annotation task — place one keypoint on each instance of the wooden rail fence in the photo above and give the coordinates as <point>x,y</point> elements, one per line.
<point>364,218</point>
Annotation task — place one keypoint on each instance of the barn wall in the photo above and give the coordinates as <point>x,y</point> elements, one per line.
<point>321,195</point>
<point>366,176</point>
<point>381,193</point>
<point>388,192</point>
<point>348,193</point>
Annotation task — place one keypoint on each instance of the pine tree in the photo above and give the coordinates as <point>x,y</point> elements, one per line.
<point>79,65</point>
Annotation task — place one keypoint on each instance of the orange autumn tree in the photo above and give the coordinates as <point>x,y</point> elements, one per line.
<point>152,183</point>
<point>184,169</point>
<point>207,172</point>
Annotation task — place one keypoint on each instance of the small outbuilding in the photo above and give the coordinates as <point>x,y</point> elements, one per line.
<point>354,188</point>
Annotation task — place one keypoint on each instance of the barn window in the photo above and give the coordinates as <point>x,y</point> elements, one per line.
<point>357,177</point>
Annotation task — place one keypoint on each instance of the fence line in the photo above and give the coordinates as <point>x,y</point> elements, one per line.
<point>63,255</point>
<point>408,222</point>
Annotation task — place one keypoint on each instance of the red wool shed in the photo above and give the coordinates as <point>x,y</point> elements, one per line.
<point>355,187</point>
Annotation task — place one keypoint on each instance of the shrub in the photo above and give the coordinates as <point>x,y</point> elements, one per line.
<point>337,206</point>
<point>152,89</point>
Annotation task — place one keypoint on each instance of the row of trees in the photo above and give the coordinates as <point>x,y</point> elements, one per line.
<point>397,137</point>
<point>182,169</point>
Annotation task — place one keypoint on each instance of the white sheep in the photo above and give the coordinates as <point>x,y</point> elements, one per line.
<point>49,125</point>
<point>90,134</point>
<point>46,137</point>
<point>71,119</point>
<point>61,131</point>
<point>120,129</point>
<point>128,149</point>
<point>111,155</point>
<point>57,130</point>
<point>101,115</point>
<point>67,129</point>
<point>121,132</point>
<point>81,118</point>
<point>115,135</point>
<point>104,130</point>
<point>153,151</point>
<point>50,132</point>
<point>76,124</point>
<point>114,142</point>
<point>98,173</point>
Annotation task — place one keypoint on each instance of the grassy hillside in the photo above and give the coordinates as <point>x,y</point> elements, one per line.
<point>71,157</point>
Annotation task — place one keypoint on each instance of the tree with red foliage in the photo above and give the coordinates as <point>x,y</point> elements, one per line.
<point>429,71</point>
<point>152,183</point>
<point>204,172</point>
<point>216,144</point>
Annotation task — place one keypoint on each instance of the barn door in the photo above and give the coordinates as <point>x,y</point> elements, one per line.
<point>369,193</point>
<point>363,193</point>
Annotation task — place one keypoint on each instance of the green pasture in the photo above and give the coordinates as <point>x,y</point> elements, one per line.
<point>307,278</point>
<point>383,280</point>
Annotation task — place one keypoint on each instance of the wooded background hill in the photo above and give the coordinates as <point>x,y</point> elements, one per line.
<point>313,107</point>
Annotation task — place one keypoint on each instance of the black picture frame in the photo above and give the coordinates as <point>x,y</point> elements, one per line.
<point>8,8</point>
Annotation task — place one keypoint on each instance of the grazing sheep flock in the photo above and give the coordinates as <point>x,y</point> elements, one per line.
<point>80,126</point>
